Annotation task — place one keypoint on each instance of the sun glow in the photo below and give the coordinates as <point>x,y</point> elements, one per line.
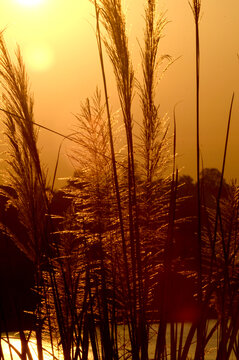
<point>39,57</point>
<point>29,2</point>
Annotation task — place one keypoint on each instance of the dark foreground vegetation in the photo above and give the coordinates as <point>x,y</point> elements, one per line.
<point>123,242</point>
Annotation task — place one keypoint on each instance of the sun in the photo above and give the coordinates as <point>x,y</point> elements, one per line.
<point>29,2</point>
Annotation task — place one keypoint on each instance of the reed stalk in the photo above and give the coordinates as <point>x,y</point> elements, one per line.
<point>116,44</point>
<point>196,9</point>
<point>113,160</point>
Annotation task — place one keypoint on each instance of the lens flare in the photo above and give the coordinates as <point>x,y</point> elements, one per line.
<point>39,57</point>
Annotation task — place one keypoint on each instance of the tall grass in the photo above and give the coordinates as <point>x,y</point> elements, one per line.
<point>25,173</point>
<point>100,265</point>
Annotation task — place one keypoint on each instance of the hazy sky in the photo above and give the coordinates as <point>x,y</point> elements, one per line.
<point>58,44</point>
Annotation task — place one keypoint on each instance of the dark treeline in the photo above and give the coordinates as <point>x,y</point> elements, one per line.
<point>17,281</point>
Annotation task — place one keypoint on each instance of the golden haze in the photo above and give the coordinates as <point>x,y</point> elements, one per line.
<point>59,47</point>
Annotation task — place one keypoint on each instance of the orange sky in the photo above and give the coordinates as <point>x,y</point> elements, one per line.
<point>58,44</point>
